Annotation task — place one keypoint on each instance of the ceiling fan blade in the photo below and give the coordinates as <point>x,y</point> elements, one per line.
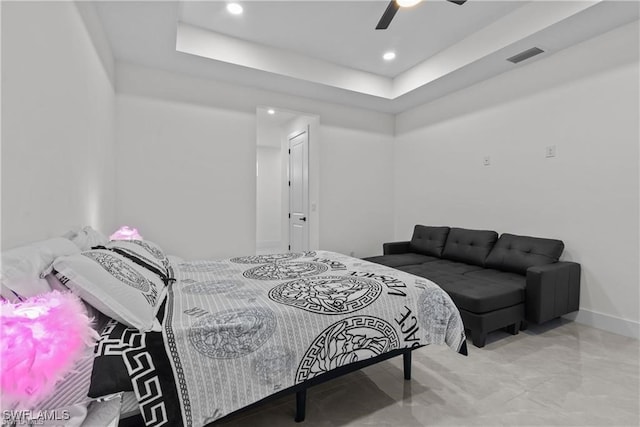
<point>393,8</point>
<point>388,15</point>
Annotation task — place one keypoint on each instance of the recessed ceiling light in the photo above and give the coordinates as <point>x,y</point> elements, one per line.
<point>389,56</point>
<point>407,3</point>
<point>234,8</point>
<point>271,111</point>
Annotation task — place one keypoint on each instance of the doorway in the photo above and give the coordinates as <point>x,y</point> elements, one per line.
<point>275,232</point>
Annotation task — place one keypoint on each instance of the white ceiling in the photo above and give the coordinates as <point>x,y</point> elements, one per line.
<point>330,50</point>
<point>344,32</point>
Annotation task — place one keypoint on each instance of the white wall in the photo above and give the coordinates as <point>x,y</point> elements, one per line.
<point>268,132</point>
<point>206,131</point>
<point>356,191</point>
<point>583,100</point>
<point>57,123</point>
<point>187,176</point>
<point>269,197</point>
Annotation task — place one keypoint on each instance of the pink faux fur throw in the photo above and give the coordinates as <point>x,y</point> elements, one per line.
<point>41,339</point>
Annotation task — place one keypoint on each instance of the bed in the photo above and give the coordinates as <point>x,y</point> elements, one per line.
<point>235,333</point>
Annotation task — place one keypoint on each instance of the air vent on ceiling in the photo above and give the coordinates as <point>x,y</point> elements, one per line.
<point>525,55</point>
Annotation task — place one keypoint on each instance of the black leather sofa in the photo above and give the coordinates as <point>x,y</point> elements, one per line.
<point>496,283</point>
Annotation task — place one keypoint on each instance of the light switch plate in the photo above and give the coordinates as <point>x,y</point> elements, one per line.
<point>550,151</point>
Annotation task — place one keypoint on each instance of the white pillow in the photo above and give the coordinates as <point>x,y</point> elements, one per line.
<point>24,268</point>
<point>115,285</point>
<point>88,237</point>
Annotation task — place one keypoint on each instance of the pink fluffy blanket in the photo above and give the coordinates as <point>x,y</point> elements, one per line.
<point>41,339</point>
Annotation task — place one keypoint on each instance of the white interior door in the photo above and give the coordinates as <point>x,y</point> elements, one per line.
<point>299,191</point>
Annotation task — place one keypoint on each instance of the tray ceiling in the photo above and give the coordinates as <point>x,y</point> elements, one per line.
<point>330,50</point>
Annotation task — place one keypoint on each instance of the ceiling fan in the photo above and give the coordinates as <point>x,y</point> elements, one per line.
<point>395,5</point>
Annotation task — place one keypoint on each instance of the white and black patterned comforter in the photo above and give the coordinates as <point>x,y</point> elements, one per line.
<point>239,330</point>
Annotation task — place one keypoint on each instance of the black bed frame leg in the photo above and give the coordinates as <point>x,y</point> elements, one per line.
<point>301,403</point>
<point>406,358</point>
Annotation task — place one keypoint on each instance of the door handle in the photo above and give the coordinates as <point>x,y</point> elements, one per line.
<point>304,218</point>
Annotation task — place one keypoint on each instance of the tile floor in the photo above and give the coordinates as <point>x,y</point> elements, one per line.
<point>562,373</point>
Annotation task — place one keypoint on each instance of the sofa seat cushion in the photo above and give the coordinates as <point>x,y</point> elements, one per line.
<point>452,267</point>
<point>428,240</point>
<point>440,271</point>
<point>399,260</point>
<point>436,276</point>
<point>517,253</point>
<point>469,246</point>
<point>498,276</point>
<point>483,296</point>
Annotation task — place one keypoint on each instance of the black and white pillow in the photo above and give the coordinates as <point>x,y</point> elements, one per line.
<point>146,253</point>
<point>119,285</point>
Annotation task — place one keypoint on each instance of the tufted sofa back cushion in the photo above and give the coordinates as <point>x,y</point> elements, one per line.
<point>428,240</point>
<point>469,246</point>
<point>517,253</point>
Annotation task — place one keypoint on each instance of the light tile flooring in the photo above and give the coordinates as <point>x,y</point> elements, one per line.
<point>561,373</point>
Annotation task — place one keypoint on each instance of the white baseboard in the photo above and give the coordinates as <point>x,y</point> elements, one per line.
<point>606,322</point>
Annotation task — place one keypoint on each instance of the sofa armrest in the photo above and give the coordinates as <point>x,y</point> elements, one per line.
<point>552,290</point>
<point>394,248</point>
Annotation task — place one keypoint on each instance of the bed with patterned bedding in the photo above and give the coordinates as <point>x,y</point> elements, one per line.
<point>239,330</point>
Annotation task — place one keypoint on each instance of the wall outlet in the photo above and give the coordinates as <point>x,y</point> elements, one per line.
<point>486,161</point>
<point>550,151</point>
